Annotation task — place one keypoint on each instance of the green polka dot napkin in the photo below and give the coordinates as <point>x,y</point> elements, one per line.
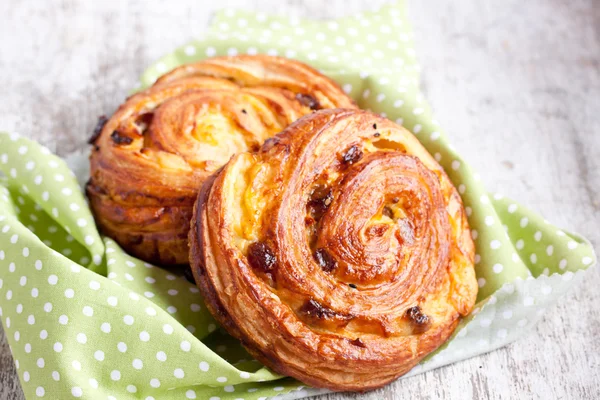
<point>84,319</point>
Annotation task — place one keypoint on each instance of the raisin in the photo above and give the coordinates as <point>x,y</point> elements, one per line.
<point>308,101</point>
<point>352,285</point>
<point>374,126</point>
<point>352,155</point>
<point>325,260</point>
<point>377,134</point>
<point>261,257</point>
<point>244,111</point>
<point>102,120</point>
<point>419,320</point>
<point>358,343</point>
<point>315,309</point>
<point>120,139</point>
<point>388,212</point>
<point>395,200</point>
<point>320,199</point>
<point>143,121</point>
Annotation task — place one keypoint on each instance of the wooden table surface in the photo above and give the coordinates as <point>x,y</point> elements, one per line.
<point>516,84</point>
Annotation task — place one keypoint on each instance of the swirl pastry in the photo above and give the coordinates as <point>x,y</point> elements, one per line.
<point>152,155</point>
<point>339,253</point>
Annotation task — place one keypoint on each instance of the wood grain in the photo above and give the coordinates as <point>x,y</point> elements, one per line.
<point>516,84</point>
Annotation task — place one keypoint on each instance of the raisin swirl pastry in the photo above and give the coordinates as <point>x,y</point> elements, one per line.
<point>152,155</point>
<point>338,254</point>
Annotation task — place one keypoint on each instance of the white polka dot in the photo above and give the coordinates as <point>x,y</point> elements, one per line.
<point>154,383</point>
<point>144,336</point>
<point>131,388</point>
<point>27,348</point>
<point>495,244</point>
<point>161,356</point>
<point>137,364</point>
<point>105,327</point>
<point>149,294</point>
<point>520,244</point>
<point>89,240</point>
<point>38,265</point>
<point>185,345</point>
<point>489,220</point>
<point>195,307</point>
<point>171,309</point>
<point>13,239</point>
<point>244,375</point>
<point>572,244</point>
<point>58,347</point>
<point>112,301</point>
<point>88,311</point>
<point>178,373</point>
<point>278,388</point>
<point>93,383</point>
<point>122,347</point>
<point>69,293</point>
<point>230,388</point>
<point>586,260</point>
<point>76,391</point>
<point>168,329</point>
<point>498,268</point>
<point>189,50</point>
<point>203,366</point>
<point>221,379</point>
<point>190,394</point>
<point>40,363</point>
<point>63,320</point>
<point>99,355</point>
<point>17,336</point>
<point>39,391</point>
<point>537,236</point>
<point>481,282</point>
<point>550,250</point>
<point>533,258</point>
<point>25,252</point>
<point>524,222</point>
<point>115,375</point>
<point>82,338</point>
<point>562,264</point>
<point>43,334</point>
<point>528,301</point>
<point>23,281</point>
<point>52,279</point>
<point>502,333</point>
<point>128,319</point>
<point>150,311</point>
<point>455,165</point>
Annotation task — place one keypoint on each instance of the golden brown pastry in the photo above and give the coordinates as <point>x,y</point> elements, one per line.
<point>152,155</point>
<point>339,253</point>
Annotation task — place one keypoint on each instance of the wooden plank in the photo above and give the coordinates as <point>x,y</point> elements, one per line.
<point>516,85</point>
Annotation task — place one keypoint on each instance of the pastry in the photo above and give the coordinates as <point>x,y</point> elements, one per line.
<point>149,159</point>
<point>338,254</point>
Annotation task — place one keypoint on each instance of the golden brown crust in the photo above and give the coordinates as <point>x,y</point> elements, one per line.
<point>152,155</point>
<point>338,254</point>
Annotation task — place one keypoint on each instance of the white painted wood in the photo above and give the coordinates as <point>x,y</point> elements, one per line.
<point>515,83</point>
